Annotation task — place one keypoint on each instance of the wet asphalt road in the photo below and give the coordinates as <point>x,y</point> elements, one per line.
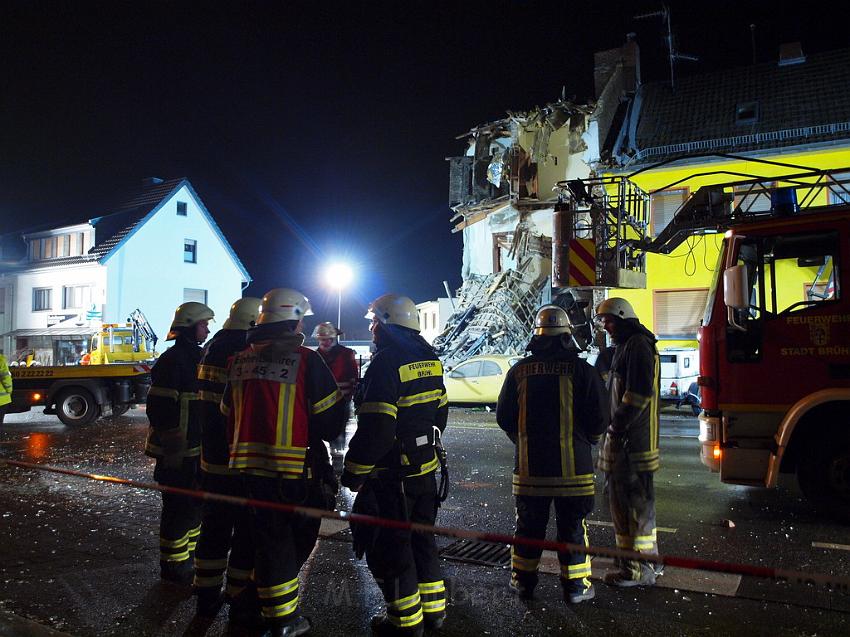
<point>82,557</point>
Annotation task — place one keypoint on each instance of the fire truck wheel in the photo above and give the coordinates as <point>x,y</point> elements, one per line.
<point>76,406</point>
<point>824,473</point>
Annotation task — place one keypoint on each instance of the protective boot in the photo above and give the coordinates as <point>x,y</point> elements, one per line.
<point>576,593</point>
<point>177,572</point>
<point>434,621</point>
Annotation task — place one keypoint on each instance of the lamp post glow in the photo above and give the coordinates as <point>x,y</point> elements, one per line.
<point>338,275</point>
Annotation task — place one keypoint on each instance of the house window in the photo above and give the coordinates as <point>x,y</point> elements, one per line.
<point>192,294</point>
<point>76,296</point>
<point>48,248</point>
<point>64,245</point>
<point>663,207</point>
<point>35,249</point>
<point>42,299</point>
<point>753,197</point>
<point>678,312</point>
<point>746,113</point>
<point>839,192</point>
<point>190,251</point>
<point>182,210</point>
<point>81,242</point>
<point>2,300</point>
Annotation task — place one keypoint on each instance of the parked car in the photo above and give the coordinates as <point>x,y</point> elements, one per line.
<point>479,379</point>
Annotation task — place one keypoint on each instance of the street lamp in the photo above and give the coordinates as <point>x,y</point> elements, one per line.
<point>338,275</point>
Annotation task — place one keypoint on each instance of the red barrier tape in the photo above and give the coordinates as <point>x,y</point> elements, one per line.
<point>830,582</point>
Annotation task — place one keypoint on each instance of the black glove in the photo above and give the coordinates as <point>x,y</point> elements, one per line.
<point>352,481</point>
<point>616,441</point>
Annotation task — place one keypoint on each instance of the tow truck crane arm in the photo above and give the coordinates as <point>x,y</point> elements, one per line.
<point>143,328</point>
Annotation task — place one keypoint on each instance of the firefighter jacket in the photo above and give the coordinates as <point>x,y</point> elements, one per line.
<point>399,402</point>
<point>343,365</point>
<point>172,404</point>
<point>552,406</point>
<point>279,396</point>
<point>633,386</point>
<point>212,378</point>
<point>5,382</point>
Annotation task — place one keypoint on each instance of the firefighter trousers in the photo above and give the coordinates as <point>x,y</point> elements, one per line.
<point>225,540</point>
<point>180,523</point>
<point>631,496</point>
<point>532,517</point>
<point>282,543</point>
<point>406,565</point>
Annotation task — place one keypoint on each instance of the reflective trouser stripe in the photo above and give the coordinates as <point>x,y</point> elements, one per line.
<point>405,612</point>
<point>433,596</point>
<point>280,600</point>
<point>237,580</point>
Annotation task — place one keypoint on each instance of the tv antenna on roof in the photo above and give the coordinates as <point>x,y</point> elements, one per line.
<point>672,51</point>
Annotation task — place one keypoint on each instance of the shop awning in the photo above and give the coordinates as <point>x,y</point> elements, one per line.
<point>52,331</point>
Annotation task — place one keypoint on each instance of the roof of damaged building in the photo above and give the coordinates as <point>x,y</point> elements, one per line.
<point>769,105</point>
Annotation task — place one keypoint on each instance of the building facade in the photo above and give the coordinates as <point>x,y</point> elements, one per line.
<point>153,251</point>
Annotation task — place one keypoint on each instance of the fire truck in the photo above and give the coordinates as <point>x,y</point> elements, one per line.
<point>774,343</point>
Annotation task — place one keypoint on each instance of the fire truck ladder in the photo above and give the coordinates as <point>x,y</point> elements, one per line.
<point>613,213</point>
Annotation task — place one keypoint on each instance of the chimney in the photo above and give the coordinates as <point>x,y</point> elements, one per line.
<point>791,53</point>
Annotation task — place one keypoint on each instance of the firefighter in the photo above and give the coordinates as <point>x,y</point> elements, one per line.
<point>225,529</point>
<point>552,407</point>
<point>402,409</point>
<point>174,437</point>
<point>281,401</point>
<point>342,362</point>
<point>629,455</point>
<point>5,387</point>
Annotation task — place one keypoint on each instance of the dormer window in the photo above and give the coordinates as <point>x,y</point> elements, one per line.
<point>747,113</point>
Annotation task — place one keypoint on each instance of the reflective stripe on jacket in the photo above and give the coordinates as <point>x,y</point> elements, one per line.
<point>172,404</point>
<point>552,406</point>
<point>276,391</point>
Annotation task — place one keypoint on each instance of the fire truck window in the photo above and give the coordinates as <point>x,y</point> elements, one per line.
<point>801,272</point>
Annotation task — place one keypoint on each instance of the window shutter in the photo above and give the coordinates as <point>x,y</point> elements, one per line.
<point>678,312</point>
<point>664,206</point>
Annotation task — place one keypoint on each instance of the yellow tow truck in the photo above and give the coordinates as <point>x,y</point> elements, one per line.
<point>130,342</point>
<point>79,394</point>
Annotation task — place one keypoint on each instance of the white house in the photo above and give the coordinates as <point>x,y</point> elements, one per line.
<point>155,250</point>
<point>433,316</point>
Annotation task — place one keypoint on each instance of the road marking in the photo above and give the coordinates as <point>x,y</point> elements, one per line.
<point>830,545</point>
<point>663,529</point>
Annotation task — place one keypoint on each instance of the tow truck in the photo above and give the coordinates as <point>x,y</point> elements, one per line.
<point>129,342</point>
<point>79,394</point>
<point>774,344</point>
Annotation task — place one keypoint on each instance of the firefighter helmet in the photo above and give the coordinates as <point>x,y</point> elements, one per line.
<point>283,304</point>
<point>393,309</point>
<point>243,314</point>
<point>325,330</point>
<point>187,315</point>
<point>616,306</point>
<point>551,320</point>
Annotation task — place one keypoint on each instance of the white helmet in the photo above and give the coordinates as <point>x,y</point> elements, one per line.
<point>325,330</point>
<point>187,315</point>
<point>551,320</point>
<point>616,306</point>
<point>393,309</point>
<point>243,314</point>
<point>283,304</point>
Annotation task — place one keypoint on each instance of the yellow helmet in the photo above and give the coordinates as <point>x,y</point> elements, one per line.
<point>325,330</point>
<point>243,314</point>
<point>187,315</point>
<point>393,309</point>
<point>616,306</point>
<point>551,320</point>
<point>283,304</point>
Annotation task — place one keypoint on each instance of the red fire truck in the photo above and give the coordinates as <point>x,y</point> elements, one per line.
<point>775,339</point>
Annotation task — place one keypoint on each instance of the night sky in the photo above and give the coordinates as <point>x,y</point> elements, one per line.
<point>317,131</point>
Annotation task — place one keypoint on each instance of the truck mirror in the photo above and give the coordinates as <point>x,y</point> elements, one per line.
<point>735,287</point>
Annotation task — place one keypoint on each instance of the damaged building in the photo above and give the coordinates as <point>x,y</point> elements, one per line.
<point>503,200</point>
